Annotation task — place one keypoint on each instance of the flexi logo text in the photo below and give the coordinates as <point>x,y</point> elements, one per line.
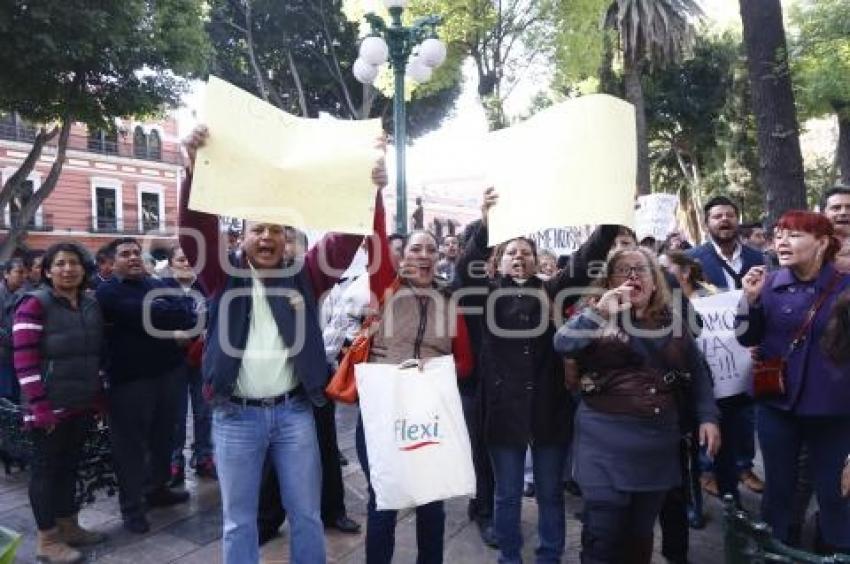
<point>412,435</point>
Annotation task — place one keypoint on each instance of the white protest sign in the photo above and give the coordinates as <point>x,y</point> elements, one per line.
<point>655,215</point>
<point>730,363</point>
<point>561,241</point>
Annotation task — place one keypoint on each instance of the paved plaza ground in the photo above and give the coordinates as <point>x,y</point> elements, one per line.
<point>190,533</point>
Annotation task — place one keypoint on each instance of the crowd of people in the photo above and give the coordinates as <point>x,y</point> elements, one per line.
<point>581,371</point>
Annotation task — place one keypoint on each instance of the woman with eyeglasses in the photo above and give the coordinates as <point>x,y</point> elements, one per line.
<point>634,366</point>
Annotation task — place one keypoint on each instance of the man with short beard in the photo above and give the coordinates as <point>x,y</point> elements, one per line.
<point>724,262</point>
<point>835,205</point>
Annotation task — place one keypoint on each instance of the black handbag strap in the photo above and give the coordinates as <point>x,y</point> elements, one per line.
<point>800,336</point>
<point>737,277</point>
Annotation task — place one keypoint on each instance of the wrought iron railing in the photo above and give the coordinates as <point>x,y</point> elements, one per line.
<point>751,542</point>
<point>18,132</point>
<point>95,472</point>
<point>25,133</point>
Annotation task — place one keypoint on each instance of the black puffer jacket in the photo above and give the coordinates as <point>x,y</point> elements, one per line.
<point>525,399</point>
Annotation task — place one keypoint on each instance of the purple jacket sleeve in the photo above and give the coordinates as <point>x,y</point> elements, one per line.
<point>200,239</point>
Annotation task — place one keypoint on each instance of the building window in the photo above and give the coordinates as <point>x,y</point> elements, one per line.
<point>140,143</point>
<point>14,128</point>
<point>151,208</point>
<point>154,145</point>
<point>104,142</point>
<point>147,145</point>
<point>20,199</point>
<point>107,213</point>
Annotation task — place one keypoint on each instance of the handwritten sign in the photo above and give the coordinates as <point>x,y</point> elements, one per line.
<point>263,164</point>
<point>655,215</point>
<point>561,241</point>
<point>730,363</point>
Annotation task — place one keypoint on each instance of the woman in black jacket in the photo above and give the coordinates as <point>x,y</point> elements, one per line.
<point>526,402</point>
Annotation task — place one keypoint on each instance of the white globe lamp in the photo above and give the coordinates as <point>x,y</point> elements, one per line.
<point>364,72</point>
<point>432,52</point>
<point>418,70</point>
<point>374,50</point>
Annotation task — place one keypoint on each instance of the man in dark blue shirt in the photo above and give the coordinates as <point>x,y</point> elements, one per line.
<point>144,365</point>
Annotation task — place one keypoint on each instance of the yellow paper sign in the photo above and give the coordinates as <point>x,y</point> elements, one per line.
<point>263,164</point>
<point>571,164</point>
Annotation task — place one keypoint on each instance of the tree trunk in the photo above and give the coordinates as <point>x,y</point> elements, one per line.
<point>296,77</point>
<point>780,160</point>
<point>18,230</point>
<point>252,56</point>
<point>842,151</point>
<point>10,188</point>
<point>634,94</point>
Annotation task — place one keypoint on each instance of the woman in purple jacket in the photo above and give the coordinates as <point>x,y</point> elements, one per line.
<point>814,409</point>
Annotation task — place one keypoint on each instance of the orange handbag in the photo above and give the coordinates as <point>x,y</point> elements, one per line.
<point>342,386</point>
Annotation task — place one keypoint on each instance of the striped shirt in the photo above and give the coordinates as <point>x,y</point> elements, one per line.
<point>26,342</point>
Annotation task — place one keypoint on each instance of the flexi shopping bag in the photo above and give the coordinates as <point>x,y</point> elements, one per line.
<point>416,436</point>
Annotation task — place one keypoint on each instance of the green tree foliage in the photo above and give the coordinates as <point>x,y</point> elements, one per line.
<point>580,45</point>
<point>503,37</point>
<point>820,63</point>
<point>79,61</point>
<point>652,33</point>
<point>298,56</point>
<point>685,107</point>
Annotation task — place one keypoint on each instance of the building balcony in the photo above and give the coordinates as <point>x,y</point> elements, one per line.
<point>109,224</point>
<point>18,132</point>
<point>24,133</point>
<point>44,225</point>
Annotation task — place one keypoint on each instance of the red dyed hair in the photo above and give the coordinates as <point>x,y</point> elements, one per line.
<point>813,223</point>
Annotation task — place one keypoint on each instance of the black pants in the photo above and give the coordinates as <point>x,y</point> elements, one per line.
<point>617,527</point>
<point>674,513</point>
<point>53,472</point>
<point>271,514</point>
<point>141,424</point>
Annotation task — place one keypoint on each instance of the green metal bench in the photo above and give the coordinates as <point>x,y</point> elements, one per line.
<point>747,541</point>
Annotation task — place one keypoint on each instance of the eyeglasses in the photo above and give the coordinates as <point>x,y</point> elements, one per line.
<point>626,271</point>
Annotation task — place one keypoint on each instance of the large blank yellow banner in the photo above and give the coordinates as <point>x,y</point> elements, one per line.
<point>571,164</point>
<point>263,164</point>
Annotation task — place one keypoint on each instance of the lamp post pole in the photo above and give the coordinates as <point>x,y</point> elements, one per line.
<point>399,51</point>
<point>396,43</point>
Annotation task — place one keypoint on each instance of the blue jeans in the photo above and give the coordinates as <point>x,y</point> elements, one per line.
<point>781,435</point>
<point>508,468</point>
<point>242,436</point>
<point>380,525</point>
<point>190,390</point>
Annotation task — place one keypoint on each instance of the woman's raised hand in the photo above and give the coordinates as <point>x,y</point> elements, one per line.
<point>752,283</point>
<point>491,198</point>
<point>195,141</point>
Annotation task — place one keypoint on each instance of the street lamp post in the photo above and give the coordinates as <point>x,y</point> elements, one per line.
<point>414,50</point>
